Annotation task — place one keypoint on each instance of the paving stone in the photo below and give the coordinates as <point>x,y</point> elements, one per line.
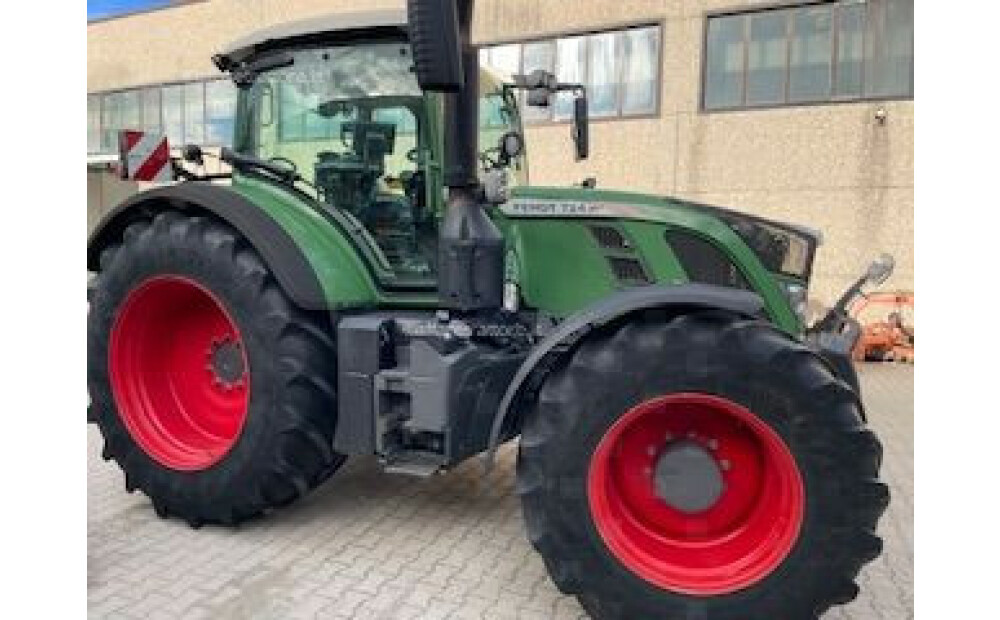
<point>367,545</point>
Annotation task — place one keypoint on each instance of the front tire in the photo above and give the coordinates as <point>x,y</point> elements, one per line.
<point>700,464</point>
<point>211,388</point>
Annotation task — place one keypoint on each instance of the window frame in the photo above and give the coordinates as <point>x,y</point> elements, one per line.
<point>790,6</point>
<point>552,38</point>
<point>140,90</point>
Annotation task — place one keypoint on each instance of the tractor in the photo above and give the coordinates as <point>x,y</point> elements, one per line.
<point>376,276</point>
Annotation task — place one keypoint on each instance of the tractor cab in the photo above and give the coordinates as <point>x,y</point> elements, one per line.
<point>350,119</point>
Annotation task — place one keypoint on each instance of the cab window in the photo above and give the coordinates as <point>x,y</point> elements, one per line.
<point>352,122</point>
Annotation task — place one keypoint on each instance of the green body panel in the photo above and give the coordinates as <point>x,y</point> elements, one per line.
<point>559,267</point>
<point>342,274</point>
<point>344,269</point>
<point>562,268</point>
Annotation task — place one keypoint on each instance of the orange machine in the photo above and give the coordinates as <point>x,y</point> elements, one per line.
<point>887,334</point>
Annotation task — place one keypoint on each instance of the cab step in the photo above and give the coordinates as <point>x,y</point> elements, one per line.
<point>412,463</point>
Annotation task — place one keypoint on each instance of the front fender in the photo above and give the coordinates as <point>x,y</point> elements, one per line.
<point>561,340</point>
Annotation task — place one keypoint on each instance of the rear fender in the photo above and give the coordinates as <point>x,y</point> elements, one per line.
<point>562,340</point>
<point>297,247</point>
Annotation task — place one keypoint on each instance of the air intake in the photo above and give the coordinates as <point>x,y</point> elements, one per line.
<point>703,262</point>
<point>609,238</point>
<point>628,270</point>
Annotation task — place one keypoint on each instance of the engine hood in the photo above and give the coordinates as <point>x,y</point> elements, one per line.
<point>771,240</point>
<point>598,203</point>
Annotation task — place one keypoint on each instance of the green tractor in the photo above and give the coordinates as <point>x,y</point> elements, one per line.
<point>376,277</point>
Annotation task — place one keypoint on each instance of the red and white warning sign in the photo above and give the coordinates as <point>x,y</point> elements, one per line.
<point>144,156</point>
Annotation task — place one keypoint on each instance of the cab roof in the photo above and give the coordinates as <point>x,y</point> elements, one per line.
<point>337,27</point>
<point>332,27</point>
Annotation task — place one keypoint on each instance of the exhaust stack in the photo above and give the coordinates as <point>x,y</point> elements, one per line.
<point>471,253</point>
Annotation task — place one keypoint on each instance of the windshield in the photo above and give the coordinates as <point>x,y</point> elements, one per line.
<point>352,121</point>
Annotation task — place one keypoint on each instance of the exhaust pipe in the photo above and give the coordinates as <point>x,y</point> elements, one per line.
<point>471,252</point>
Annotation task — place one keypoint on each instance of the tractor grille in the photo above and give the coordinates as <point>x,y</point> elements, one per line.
<point>609,238</point>
<point>704,262</point>
<point>619,251</point>
<point>628,270</point>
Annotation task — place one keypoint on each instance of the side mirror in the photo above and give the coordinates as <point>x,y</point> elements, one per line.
<point>880,270</point>
<point>539,78</point>
<point>540,85</point>
<point>437,49</point>
<point>581,127</point>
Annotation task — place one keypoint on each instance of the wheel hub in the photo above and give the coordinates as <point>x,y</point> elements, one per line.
<point>687,477</point>
<point>226,362</point>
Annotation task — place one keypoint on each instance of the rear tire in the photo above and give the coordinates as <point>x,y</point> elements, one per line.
<point>775,404</point>
<point>212,390</point>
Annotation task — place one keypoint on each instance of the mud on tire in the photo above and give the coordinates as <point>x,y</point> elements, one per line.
<point>284,444</point>
<point>749,363</point>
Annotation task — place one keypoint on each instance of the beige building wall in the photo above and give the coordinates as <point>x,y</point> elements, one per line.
<point>832,167</point>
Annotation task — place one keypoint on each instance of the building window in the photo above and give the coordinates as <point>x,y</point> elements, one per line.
<point>620,68</point>
<point>173,113</point>
<point>640,70</point>
<point>151,117</point>
<point>603,77</point>
<point>199,112</point>
<point>817,52</point>
<point>220,111</point>
<point>767,58</point>
<point>194,113</point>
<point>810,75</point>
<point>93,124</point>
<point>571,67</point>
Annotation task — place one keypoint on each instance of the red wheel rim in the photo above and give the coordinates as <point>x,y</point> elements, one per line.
<point>740,538</point>
<point>179,373</point>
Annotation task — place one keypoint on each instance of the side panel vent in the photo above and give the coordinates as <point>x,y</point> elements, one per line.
<point>704,262</point>
<point>628,270</point>
<point>609,238</point>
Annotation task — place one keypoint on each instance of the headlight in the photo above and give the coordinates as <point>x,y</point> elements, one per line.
<point>781,248</point>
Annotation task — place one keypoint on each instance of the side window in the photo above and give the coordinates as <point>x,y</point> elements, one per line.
<point>398,216</point>
<point>403,156</point>
<point>299,118</point>
<point>364,157</point>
